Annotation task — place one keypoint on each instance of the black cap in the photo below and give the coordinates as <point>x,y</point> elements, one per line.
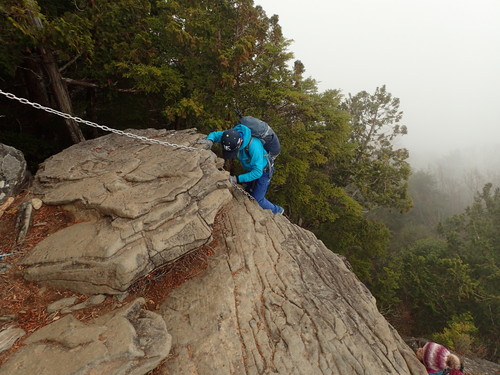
<point>231,141</point>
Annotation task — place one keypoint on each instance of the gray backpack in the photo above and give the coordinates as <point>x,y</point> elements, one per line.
<point>264,132</point>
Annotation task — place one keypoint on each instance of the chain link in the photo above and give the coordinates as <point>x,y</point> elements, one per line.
<point>238,187</point>
<point>108,129</point>
<point>93,124</point>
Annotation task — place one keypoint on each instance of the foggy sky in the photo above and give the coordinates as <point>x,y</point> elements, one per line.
<point>441,58</point>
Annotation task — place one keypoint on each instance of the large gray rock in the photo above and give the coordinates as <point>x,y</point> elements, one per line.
<point>12,171</point>
<point>129,341</point>
<point>139,206</point>
<point>275,300</point>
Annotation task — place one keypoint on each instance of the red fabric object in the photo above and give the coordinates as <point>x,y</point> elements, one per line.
<point>435,357</point>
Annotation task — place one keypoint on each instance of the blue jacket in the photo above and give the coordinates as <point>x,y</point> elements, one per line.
<point>254,161</point>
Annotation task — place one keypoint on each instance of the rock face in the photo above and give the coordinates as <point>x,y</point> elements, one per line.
<point>12,171</point>
<point>273,300</point>
<point>140,206</point>
<point>129,341</point>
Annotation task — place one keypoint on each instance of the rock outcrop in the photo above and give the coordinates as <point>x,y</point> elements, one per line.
<point>273,300</point>
<point>129,341</point>
<point>140,206</point>
<point>12,171</point>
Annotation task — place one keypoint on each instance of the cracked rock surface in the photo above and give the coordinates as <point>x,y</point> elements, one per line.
<point>139,206</point>
<point>128,341</point>
<point>275,300</point>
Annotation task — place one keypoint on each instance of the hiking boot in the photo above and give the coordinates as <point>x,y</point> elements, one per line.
<point>280,211</point>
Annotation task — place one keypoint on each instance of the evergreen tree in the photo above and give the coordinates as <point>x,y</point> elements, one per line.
<point>25,17</point>
<point>377,174</point>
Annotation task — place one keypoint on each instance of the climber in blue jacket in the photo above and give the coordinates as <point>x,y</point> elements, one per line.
<point>239,143</point>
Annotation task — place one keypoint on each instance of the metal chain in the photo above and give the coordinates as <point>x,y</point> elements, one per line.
<point>93,124</point>
<point>106,128</point>
<point>238,187</point>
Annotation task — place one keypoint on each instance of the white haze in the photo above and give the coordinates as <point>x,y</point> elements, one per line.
<point>441,58</point>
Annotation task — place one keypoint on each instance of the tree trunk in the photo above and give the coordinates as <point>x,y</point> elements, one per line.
<point>61,93</point>
<point>57,84</point>
<point>32,76</point>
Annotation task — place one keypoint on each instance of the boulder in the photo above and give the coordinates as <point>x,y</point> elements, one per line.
<point>138,206</point>
<point>130,341</point>
<point>12,171</point>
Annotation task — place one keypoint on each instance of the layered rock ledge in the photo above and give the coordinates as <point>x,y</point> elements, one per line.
<point>140,206</point>
<point>129,341</point>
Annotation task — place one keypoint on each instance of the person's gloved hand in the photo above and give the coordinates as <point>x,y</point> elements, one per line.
<point>233,179</point>
<point>206,143</point>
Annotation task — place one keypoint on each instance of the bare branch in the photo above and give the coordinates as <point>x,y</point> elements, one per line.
<point>76,82</point>
<point>63,68</point>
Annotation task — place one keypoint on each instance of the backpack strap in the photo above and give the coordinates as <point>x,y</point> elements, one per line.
<point>248,146</point>
<point>267,156</point>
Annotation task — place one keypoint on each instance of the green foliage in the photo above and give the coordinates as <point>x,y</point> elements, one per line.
<point>459,335</point>
<point>435,284</point>
<point>475,238</point>
<point>15,34</point>
<point>446,273</point>
<point>299,180</point>
<point>371,174</point>
<point>377,174</point>
<point>362,241</point>
<point>385,286</point>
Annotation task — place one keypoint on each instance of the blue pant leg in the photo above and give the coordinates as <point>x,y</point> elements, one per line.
<point>259,193</point>
<point>249,187</point>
